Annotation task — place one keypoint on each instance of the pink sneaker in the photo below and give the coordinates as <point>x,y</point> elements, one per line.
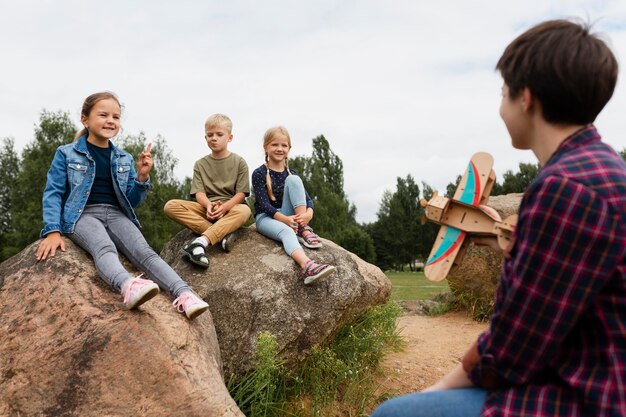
<point>137,291</point>
<point>190,304</point>
<point>314,272</point>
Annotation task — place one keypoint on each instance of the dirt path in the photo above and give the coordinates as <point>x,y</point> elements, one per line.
<point>434,345</point>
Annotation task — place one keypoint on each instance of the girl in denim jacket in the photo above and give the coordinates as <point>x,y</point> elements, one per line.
<point>90,194</point>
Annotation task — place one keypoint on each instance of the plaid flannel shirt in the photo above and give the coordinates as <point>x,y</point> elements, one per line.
<point>556,344</point>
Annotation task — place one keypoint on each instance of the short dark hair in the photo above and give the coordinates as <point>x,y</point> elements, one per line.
<point>571,71</point>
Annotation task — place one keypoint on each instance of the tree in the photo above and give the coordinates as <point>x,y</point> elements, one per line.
<point>497,189</point>
<point>322,175</point>
<point>54,129</point>
<point>157,228</point>
<point>9,167</point>
<point>334,218</point>
<point>518,182</point>
<point>623,154</point>
<point>397,231</point>
<point>428,230</point>
<point>451,187</point>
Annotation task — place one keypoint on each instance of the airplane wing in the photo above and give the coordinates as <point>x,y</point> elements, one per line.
<point>446,248</point>
<point>475,180</point>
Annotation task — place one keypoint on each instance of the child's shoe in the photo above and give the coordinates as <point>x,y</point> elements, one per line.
<point>190,304</point>
<point>196,254</point>
<point>229,241</point>
<point>310,240</point>
<point>316,272</point>
<point>137,291</point>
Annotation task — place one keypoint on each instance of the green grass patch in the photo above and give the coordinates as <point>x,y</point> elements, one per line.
<point>337,379</point>
<point>414,286</point>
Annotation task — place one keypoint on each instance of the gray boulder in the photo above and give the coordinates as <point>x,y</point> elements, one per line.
<point>69,348</point>
<point>257,287</point>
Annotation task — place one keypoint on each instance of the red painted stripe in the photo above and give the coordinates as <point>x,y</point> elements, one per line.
<point>476,185</point>
<point>457,243</point>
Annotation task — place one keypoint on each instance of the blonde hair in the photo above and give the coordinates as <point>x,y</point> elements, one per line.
<point>269,136</point>
<point>218,120</point>
<point>88,106</point>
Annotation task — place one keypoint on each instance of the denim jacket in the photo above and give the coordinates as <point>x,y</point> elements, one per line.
<point>69,182</point>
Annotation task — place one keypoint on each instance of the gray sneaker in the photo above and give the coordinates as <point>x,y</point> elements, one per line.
<point>228,241</point>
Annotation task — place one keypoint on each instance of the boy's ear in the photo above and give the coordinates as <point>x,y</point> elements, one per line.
<point>230,137</point>
<point>528,100</point>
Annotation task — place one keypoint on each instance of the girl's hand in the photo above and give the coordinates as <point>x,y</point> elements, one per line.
<point>144,165</point>
<point>304,218</point>
<point>291,222</point>
<point>49,246</point>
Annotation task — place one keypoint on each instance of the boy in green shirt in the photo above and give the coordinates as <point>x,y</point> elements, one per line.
<point>220,185</point>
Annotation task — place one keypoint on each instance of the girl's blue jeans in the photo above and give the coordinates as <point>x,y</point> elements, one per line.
<point>293,196</point>
<point>102,229</point>
<point>467,402</point>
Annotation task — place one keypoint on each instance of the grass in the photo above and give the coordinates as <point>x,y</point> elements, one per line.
<point>337,379</point>
<point>414,286</point>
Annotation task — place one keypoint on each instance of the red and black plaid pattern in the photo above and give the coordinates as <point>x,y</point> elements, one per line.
<point>557,338</point>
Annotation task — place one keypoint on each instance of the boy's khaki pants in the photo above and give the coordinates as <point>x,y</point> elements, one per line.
<point>193,216</point>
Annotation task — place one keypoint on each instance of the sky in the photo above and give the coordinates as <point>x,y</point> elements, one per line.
<point>398,87</point>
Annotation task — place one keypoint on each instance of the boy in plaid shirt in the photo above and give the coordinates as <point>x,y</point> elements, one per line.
<point>556,344</point>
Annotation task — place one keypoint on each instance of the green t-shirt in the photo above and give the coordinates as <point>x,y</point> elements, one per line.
<point>220,179</point>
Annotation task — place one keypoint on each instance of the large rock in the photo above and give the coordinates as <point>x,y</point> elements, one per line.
<point>69,348</point>
<point>257,287</point>
<point>474,282</point>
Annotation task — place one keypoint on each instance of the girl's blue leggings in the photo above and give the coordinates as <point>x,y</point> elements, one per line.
<point>293,196</point>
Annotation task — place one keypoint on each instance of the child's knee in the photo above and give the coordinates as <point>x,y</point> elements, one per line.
<point>244,211</point>
<point>293,180</point>
<point>170,207</point>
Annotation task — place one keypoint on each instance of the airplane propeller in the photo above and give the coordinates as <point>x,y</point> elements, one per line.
<point>424,203</point>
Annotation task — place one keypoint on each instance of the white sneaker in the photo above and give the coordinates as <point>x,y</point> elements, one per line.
<point>190,304</point>
<point>137,291</point>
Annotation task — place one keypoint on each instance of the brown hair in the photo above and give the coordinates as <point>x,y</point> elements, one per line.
<point>90,102</point>
<point>269,136</point>
<point>571,71</point>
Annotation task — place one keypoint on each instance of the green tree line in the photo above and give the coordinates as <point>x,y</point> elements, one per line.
<point>397,238</point>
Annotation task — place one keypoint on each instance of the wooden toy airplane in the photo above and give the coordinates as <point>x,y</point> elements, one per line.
<point>465,213</point>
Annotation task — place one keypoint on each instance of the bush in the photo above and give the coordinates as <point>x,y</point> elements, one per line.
<point>338,375</point>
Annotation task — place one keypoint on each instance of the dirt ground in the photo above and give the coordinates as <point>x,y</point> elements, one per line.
<point>434,345</point>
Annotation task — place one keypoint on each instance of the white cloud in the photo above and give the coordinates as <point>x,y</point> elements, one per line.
<point>397,88</point>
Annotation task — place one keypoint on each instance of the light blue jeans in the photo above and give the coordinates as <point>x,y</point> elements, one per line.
<point>467,402</point>
<point>102,229</point>
<point>293,196</point>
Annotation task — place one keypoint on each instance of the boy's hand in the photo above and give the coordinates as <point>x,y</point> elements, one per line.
<point>49,246</point>
<point>144,165</point>
<point>215,211</point>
